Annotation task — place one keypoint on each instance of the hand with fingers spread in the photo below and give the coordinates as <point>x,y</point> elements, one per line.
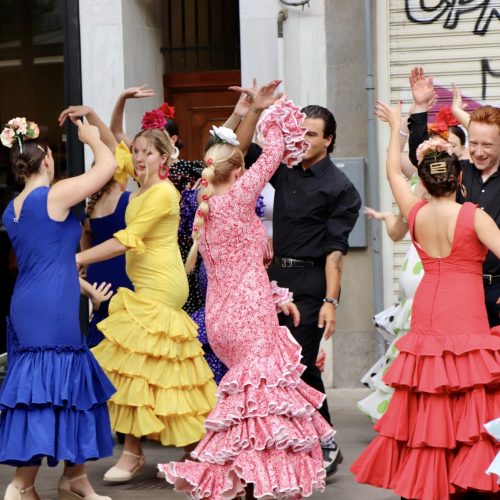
<point>100,293</point>
<point>266,96</point>
<point>422,89</point>
<point>391,115</point>
<point>138,92</point>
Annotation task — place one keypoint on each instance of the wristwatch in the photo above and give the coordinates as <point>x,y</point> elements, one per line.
<point>335,302</point>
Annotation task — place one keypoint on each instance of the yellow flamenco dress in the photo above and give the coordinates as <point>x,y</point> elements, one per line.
<point>165,388</point>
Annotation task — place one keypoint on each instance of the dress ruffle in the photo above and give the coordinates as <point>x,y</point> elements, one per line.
<point>132,242</point>
<point>53,404</point>
<point>265,430</point>
<point>150,352</point>
<point>289,118</point>
<point>431,441</point>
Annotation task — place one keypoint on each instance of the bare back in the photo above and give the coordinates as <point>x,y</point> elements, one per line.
<point>435,228</point>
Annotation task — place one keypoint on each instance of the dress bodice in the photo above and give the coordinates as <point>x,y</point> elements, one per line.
<point>452,286</point>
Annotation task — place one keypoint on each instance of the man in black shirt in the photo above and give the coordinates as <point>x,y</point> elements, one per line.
<point>315,209</point>
<point>480,176</point>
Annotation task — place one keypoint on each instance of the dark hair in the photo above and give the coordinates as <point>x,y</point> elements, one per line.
<point>172,129</point>
<point>440,184</point>
<point>459,132</point>
<point>315,111</point>
<point>97,196</point>
<point>27,163</point>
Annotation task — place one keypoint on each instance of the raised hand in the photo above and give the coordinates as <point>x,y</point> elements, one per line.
<point>391,115</point>
<point>86,133</point>
<point>138,92</point>
<point>458,107</point>
<point>246,98</point>
<point>74,112</point>
<point>422,89</point>
<point>265,97</point>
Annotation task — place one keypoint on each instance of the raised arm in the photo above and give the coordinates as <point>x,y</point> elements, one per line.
<point>458,107</point>
<point>399,186</point>
<point>69,192</point>
<point>116,124</point>
<point>242,108</point>
<point>262,99</point>
<point>423,94</point>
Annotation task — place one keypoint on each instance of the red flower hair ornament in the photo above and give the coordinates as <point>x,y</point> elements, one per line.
<point>157,118</point>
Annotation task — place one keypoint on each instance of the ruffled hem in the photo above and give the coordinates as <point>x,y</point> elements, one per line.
<point>262,433</point>
<point>289,118</point>
<point>29,434</point>
<point>55,376</point>
<point>165,388</point>
<point>441,364</point>
<point>283,369</point>
<point>277,474</point>
<point>132,242</point>
<point>425,473</point>
<point>265,430</point>
<point>439,420</point>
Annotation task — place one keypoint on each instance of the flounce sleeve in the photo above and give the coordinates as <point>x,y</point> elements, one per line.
<point>124,164</point>
<point>132,242</point>
<point>289,118</point>
<point>281,296</point>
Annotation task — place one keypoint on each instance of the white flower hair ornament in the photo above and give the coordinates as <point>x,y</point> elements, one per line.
<point>18,129</point>
<point>224,135</point>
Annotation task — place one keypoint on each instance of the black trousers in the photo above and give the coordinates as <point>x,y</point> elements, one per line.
<point>492,294</point>
<point>308,285</point>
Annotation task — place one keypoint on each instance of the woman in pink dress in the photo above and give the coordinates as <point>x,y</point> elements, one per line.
<point>432,444</point>
<point>265,433</point>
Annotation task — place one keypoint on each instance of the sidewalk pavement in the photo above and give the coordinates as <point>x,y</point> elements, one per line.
<point>353,434</point>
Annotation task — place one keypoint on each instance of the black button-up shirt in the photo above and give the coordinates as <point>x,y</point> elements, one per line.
<point>485,195</point>
<point>314,210</point>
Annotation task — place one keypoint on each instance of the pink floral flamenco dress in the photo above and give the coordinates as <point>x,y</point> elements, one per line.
<point>265,429</point>
<point>432,444</point>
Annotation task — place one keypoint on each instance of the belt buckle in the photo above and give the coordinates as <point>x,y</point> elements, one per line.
<point>286,262</point>
<point>489,278</point>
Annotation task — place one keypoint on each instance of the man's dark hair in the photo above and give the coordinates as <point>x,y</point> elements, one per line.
<point>315,111</point>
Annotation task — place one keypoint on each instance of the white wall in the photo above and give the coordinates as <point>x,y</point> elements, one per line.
<point>304,46</point>
<point>120,41</point>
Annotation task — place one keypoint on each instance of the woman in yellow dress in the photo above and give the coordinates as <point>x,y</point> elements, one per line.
<point>165,388</point>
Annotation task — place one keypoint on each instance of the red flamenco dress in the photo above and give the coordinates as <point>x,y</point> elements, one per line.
<point>431,442</point>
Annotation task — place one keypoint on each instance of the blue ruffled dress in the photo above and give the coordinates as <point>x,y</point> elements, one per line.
<point>111,270</point>
<point>53,399</point>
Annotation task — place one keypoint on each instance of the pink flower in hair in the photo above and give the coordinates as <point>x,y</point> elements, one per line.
<point>433,147</point>
<point>153,120</point>
<point>7,137</point>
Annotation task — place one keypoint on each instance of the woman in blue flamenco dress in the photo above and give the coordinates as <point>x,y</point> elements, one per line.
<point>53,399</point>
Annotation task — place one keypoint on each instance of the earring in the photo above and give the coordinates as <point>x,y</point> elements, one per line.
<point>463,190</point>
<point>163,172</point>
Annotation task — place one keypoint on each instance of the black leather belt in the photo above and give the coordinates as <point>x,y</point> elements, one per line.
<point>289,262</point>
<point>490,279</point>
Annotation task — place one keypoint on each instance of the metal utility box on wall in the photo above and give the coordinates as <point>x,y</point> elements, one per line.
<point>355,169</point>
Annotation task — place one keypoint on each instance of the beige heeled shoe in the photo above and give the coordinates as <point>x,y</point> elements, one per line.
<point>117,475</point>
<point>65,493</point>
<point>15,493</point>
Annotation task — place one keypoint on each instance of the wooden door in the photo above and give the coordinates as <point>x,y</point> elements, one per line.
<point>201,99</point>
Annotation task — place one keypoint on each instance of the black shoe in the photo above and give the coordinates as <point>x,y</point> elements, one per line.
<point>332,457</point>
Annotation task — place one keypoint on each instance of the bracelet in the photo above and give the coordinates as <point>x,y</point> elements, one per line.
<point>254,109</point>
<point>334,302</point>
<point>404,134</point>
